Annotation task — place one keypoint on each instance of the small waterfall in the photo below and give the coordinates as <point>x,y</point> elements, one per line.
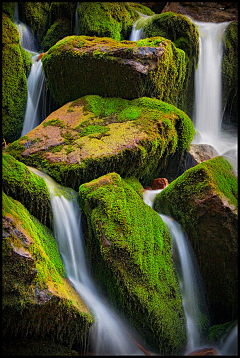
<point>230,345</point>
<point>76,27</point>
<point>26,36</point>
<point>189,277</point>
<point>137,35</point>
<point>208,93</point>
<point>35,111</point>
<point>109,334</point>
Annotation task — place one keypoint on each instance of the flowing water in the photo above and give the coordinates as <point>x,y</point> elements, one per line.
<point>208,92</point>
<point>76,26</point>
<point>110,334</point>
<point>188,273</point>
<point>137,34</point>
<point>35,111</point>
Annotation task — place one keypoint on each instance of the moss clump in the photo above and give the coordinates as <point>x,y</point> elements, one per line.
<point>35,290</point>
<point>230,72</point>
<point>219,332</point>
<point>204,200</point>
<point>9,8</point>
<point>60,29</point>
<point>14,82</point>
<point>72,72</point>
<point>185,36</point>
<point>113,20</point>
<point>54,122</point>
<point>21,184</point>
<point>129,249</point>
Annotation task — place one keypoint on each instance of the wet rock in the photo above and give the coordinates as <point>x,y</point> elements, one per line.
<point>204,201</point>
<point>40,56</point>
<point>204,352</point>
<point>197,154</point>
<point>159,183</point>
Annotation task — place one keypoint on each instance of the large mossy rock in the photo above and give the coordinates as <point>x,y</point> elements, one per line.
<point>129,249</point>
<point>109,19</point>
<point>204,200</point>
<point>230,74</point>
<point>38,301</point>
<point>60,29</point>
<point>14,81</point>
<point>81,65</point>
<point>93,136</point>
<point>29,189</point>
<point>185,36</point>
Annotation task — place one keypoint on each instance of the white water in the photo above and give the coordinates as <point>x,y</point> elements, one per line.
<point>188,275</point>
<point>137,34</point>
<point>230,345</point>
<point>208,93</point>
<point>35,111</point>
<point>76,26</point>
<point>109,335</point>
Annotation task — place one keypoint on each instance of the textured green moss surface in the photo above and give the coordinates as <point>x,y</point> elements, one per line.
<point>37,299</point>
<point>82,65</point>
<point>60,29</point>
<point>185,36</point>
<point>230,70</point>
<point>109,19</point>
<point>21,184</point>
<point>204,200</point>
<point>9,8</point>
<point>93,136</point>
<point>129,249</point>
<point>14,82</point>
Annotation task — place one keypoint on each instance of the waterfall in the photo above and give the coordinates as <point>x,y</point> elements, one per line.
<point>35,111</point>
<point>109,334</point>
<point>193,298</point>
<point>230,345</point>
<point>208,94</point>
<point>137,35</point>
<point>76,27</point>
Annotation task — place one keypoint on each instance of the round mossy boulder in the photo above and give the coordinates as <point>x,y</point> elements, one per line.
<point>93,136</point>
<point>204,200</point>
<point>80,65</point>
<point>129,249</point>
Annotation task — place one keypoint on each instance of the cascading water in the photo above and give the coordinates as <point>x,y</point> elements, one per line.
<point>193,298</point>
<point>35,111</point>
<point>208,94</point>
<point>137,35</point>
<point>76,27</point>
<point>109,334</point>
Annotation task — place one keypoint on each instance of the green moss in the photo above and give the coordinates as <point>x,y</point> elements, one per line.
<point>93,129</point>
<point>54,122</point>
<point>230,70</point>
<point>185,36</point>
<point>219,332</point>
<point>9,8</point>
<point>21,184</point>
<point>23,315</point>
<point>36,16</point>
<point>57,149</point>
<point>113,20</point>
<point>98,70</point>
<point>60,29</point>
<point>26,56</point>
<point>14,82</point>
<point>136,270</point>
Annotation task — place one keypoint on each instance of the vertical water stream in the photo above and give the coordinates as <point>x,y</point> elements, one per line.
<point>109,334</point>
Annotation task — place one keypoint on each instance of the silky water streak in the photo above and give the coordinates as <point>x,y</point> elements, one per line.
<point>193,298</point>
<point>109,334</point>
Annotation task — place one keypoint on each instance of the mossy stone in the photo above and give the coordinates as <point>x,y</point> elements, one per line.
<point>129,250</point>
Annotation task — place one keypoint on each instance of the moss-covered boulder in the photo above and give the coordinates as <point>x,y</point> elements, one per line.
<point>129,249</point>
<point>23,185</point>
<point>204,200</point>
<point>9,8</point>
<point>185,36</point>
<point>230,74</point>
<point>14,81</point>
<point>109,19</point>
<point>80,65</point>
<point>38,301</point>
<point>93,136</point>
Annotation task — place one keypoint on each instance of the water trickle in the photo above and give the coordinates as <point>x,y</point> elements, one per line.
<point>109,335</point>
<point>193,298</point>
<point>137,35</point>
<point>76,26</point>
<point>230,346</point>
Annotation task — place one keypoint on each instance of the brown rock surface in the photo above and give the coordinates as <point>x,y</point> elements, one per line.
<point>159,183</point>
<point>204,352</point>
